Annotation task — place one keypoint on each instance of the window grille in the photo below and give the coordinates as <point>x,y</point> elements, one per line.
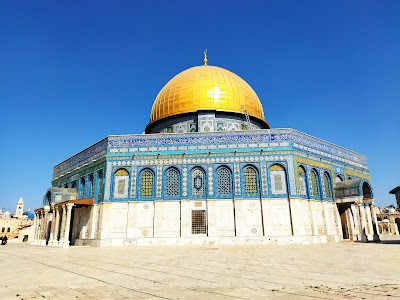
<point>198,178</point>
<point>314,183</point>
<point>327,187</point>
<point>224,181</point>
<point>172,183</point>
<point>250,181</point>
<point>199,222</point>
<point>147,181</point>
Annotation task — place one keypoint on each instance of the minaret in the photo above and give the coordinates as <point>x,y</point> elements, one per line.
<point>20,208</point>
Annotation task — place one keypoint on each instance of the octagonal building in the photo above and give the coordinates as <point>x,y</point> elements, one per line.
<point>208,170</point>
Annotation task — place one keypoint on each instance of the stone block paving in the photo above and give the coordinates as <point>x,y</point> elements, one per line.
<point>345,270</point>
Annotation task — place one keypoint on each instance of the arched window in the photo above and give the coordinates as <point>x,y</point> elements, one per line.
<point>250,181</point>
<point>224,182</point>
<point>146,183</point>
<point>198,182</point>
<point>121,179</point>
<point>172,183</point>
<point>82,187</point>
<point>327,186</point>
<point>91,185</point>
<point>100,178</point>
<point>302,181</point>
<point>73,184</point>
<point>314,184</point>
<point>278,180</point>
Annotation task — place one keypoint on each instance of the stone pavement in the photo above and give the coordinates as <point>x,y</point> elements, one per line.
<point>345,270</point>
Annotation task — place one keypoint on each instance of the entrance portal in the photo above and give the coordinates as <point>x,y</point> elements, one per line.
<point>342,208</point>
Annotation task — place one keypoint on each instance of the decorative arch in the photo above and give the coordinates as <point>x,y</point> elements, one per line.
<point>198,182</point>
<point>278,179</point>
<point>251,181</point>
<point>146,183</point>
<point>91,185</point>
<point>224,186</point>
<point>327,186</point>
<point>172,183</point>
<point>315,184</point>
<point>121,183</point>
<point>100,180</point>
<point>82,187</point>
<point>302,180</point>
<point>366,190</point>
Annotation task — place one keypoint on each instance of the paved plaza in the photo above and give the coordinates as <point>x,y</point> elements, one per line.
<point>345,270</point>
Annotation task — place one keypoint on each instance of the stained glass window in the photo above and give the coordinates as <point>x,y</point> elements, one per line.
<point>327,187</point>
<point>250,181</point>
<point>147,183</point>
<point>198,179</point>
<point>314,184</point>
<point>172,182</point>
<point>224,181</point>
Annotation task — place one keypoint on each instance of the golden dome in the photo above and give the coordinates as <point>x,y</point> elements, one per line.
<point>206,88</point>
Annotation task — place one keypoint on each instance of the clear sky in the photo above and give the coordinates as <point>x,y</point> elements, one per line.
<point>73,72</point>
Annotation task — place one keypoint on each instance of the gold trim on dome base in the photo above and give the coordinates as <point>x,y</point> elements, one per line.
<point>206,88</point>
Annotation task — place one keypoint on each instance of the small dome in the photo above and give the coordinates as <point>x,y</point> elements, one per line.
<point>206,88</point>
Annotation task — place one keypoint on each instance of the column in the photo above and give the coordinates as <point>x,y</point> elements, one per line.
<point>356,219</point>
<point>350,225</point>
<point>45,223</point>
<point>369,223</point>
<point>52,218</point>
<point>64,217</point>
<point>56,226</point>
<point>375,224</point>
<point>67,225</point>
<point>364,237</point>
<point>35,223</point>
<point>40,233</point>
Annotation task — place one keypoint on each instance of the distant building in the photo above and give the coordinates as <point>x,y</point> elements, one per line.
<point>18,225</point>
<point>388,220</point>
<point>389,217</point>
<point>208,170</point>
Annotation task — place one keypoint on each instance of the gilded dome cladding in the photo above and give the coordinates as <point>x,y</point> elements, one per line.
<point>206,88</point>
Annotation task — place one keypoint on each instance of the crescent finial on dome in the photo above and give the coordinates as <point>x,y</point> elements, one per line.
<point>205,57</point>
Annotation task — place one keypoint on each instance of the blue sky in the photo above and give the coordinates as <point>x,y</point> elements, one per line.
<point>73,72</point>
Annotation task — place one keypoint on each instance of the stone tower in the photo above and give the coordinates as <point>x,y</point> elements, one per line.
<point>20,208</point>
